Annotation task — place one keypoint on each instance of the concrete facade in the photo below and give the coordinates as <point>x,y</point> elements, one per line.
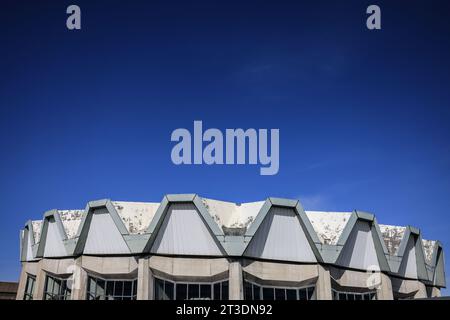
<point>273,247</point>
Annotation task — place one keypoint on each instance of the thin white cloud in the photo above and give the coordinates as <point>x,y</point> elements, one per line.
<point>314,202</point>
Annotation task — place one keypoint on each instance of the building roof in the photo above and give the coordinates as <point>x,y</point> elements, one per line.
<point>233,226</point>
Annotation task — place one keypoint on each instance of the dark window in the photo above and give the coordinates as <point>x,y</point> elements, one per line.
<point>268,294</point>
<point>248,291</point>
<point>118,288</point>
<point>224,290</point>
<point>253,291</point>
<point>169,290</point>
<point>56,289</point>
<point>217,294</point>
<point>205,291</point>
<point>310,292</point>
<point>280,294</point>
<point>291,294</point>
<point>193,291</point>
<point>159,289</point>
<point>181,291</point>
<point>109,289</point>
<point>128,288</point>
<point>256,292</point>
<point>105,289</point>
<point>338,295</point>
<point>302,294</point>
<point>29,288</point>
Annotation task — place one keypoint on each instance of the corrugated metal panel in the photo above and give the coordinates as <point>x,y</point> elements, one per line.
<point>184,232</point>
<point>439,277</point>
<point>359,250</point>
<point>104,237</point>
<point>281,237</point>
<point>28,247</point>
<point>408,267</point>
<point>54,246</point>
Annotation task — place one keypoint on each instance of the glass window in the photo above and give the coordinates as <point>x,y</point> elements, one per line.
<point>268,294</point>
<point>181,289</point>
<point>193,291</point>
<point>310,293</point>
<point>118,288</point>
<point>217,291</point>
<point>56,289</point>
<point>253,291</point>
<point>302,295</point>
<point>340,295</point>
<point>169,290</point>
<point>248,291</point>
<point>280,294</point>
<point>29,288</point>
<point>256,292</point>
<point>224,285</point>
<point>205,291</point>
<point>159,289</point>
<point>105,289</point>
<point>291,294</point>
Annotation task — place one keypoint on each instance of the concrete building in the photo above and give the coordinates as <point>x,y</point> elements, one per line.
<point>189,247</point>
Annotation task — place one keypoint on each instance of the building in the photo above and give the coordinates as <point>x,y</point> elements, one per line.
<point>8,290</point>
<point>189,247</point>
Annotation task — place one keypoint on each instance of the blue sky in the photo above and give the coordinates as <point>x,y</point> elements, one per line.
<point>364,116</point>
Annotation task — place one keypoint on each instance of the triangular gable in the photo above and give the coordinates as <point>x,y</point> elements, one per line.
<point>27,241</point>
<point>359,250</point>
<point>281,237</point>
<point>51,237</point>
<point>412,256</point>
<point>103,236</point>
<point>408,266</point>
<point>439,271</point>
<point>53,243</point>
<point>183,231</point>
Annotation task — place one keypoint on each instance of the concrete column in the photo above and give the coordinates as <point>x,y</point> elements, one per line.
<point>323,284</point>
<point>22,283</point>
<point>421,292</point>
<point>384,290</point>
<point>39,286</point>
<point>145,280</point>
<point>235,280</point>
<point>79,281</point>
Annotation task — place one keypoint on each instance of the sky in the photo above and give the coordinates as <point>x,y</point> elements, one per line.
<point>364,116</point>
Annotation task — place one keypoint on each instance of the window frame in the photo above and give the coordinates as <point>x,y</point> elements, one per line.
<point>274,287</point>
<point>105,295</point>
<point>372,295</point>
<point>223,294</point>
<point>64,292</point>
<point>29,293</point>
